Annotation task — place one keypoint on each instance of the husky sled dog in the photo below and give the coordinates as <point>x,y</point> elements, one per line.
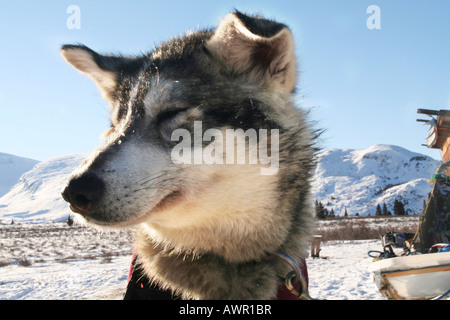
<point>204,230</point>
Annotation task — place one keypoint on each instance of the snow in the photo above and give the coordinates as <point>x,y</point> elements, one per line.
<point>11,168</point>
<point>82,263</point>
<point>78,280</point>
<point>59,271</point>
<point>36,197</point>
<point>55,261</point>
<point>359,180</point>
<point>344,274</point>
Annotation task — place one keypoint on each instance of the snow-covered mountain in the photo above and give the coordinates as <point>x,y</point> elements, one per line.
<point>11,168</point>
<point>36,197</point>
<point>359,180</point>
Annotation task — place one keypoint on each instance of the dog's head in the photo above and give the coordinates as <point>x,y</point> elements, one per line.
<point>151,166</point>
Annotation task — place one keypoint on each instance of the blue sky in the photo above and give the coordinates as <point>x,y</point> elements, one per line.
<point>364,85</point>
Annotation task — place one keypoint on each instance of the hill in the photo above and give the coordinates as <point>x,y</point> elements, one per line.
<point>11,168</point>
<point>359,180</point>
<point>36,197</point>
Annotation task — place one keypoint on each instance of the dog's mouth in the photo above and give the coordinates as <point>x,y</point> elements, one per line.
<point>170,200</point>
<point>80,210</point>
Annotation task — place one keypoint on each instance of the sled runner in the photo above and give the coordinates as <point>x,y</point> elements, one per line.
<point>422,269</point>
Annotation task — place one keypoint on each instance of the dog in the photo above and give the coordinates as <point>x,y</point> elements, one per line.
<point>209,222</point>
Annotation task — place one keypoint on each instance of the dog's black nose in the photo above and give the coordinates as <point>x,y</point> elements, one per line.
<point>82,192</point>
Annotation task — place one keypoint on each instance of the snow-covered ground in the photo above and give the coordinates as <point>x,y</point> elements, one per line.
<point>55,261</point>
<point>343,274</point>
<point>81,263</point>
<point>79,279</point>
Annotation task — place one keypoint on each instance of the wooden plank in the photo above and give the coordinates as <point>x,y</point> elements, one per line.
<point>388,289</point>
<point>428,111</point>
<point>402,273</point>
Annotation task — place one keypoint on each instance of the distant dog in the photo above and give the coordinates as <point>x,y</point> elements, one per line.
<point>207,155</point>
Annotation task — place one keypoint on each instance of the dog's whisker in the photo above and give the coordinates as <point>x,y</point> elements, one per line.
<point>165,180</point>
<point>146,188</point>
<point>149,179</point>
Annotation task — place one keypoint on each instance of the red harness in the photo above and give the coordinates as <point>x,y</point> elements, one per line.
<point>284,293</point>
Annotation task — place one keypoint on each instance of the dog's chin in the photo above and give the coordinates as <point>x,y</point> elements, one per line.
<point>166,203</point>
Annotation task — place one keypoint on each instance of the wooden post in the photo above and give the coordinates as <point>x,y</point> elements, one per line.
<point>315,246</point>
<point>446,154</point>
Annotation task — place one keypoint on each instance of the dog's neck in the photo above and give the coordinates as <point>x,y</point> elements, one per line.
<point>232,245</point>
<point>207,275</point>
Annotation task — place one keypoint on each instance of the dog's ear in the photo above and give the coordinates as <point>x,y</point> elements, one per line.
<point>263,49</point>
<point>103,70</point>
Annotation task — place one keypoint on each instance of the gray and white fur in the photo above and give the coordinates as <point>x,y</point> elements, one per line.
<point>203,231</point>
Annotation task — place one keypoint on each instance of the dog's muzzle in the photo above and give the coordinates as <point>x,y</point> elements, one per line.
<point>83,193</point>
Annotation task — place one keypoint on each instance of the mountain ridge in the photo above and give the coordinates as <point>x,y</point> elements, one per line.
<point>356,180</point>
<point>36,197</point>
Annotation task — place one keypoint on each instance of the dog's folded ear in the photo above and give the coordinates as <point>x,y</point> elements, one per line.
<point>103,70</point>
<point>260,48</point>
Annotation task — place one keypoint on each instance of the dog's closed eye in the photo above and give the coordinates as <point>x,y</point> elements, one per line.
<point>168,115</point>
<point>168,121</point>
